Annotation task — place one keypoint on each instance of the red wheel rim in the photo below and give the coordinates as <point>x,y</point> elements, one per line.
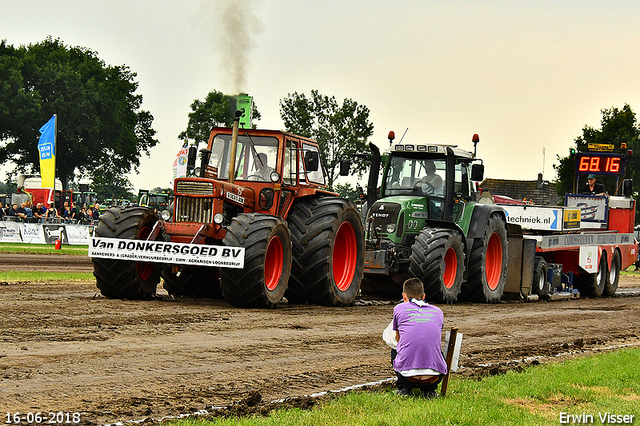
<point>494,261</point>
<point>345,256</point>
<point>273,263</point>
<point>450,267</point>
<point>145,270</point>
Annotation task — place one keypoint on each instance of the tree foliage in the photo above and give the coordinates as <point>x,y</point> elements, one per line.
<point>340,130</point>
<point>100,124</point>
<point>107,184</point>
<point>617,126</point>
<point>217,110</point>
<point>347,191</point>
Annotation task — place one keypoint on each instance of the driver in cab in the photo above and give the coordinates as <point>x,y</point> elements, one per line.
<point>431,182</point>
<point>263,171</point>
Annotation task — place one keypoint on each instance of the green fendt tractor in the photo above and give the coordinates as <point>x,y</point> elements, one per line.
<point>423,221</point>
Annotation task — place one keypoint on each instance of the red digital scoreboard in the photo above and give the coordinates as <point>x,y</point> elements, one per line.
<point>599,163</point>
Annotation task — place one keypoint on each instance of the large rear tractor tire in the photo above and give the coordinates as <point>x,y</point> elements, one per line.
<point>267,261</point>
<point>123,279</point>
<point>594,284</point>
<point>328,251</point>
<point>437,259</point>
<point>199,283</point>
<point>487,273</point>
<point>613,278</point>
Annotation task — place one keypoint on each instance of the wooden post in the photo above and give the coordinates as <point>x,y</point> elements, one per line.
<point>449,359</point>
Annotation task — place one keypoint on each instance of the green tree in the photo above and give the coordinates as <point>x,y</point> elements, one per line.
<point>99,116</point>
<point>347,191</point>
<point>340,130</point>
<point>617,126</point>
<point>108,184</point>
<point>217,110</point>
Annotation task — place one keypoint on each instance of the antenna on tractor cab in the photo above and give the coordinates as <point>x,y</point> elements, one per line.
<point>405,132</point>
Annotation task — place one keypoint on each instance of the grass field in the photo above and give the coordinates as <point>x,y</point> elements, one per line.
<point>585,390</point>
<point>42,249</point>
<point>27,276</point>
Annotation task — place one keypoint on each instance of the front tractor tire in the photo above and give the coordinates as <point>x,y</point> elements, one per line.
<point>267,261</point>
<point>328,251</point>
<point>123,279</point>
<point>487,274</point>
<point>437,259</point>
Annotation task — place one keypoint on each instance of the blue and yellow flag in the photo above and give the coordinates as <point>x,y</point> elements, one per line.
<point>47,149</point>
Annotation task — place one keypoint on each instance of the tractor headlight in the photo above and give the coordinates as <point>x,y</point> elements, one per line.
<point>391,228</point>
<point>218,218</point>
<point>165,215</point>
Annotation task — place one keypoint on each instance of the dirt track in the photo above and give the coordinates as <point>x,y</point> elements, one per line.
<point>65,348</point>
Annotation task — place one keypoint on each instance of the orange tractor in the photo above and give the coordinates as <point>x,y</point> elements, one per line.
<point>299,240</point>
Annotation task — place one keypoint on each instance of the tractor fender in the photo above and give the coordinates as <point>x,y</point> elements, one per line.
<point>479,218</point>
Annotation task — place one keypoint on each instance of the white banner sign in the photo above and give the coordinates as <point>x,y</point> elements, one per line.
<point>167,252</point>
<point>32,233</point>
<point>44,233</point>
<point>10,232</point>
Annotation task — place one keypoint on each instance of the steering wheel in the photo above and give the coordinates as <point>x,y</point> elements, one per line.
<point>255,177</point>
<point>429,190</point>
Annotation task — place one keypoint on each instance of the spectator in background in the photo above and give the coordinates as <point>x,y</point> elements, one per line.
<point>1,212</point>
<point>27,208</point>
<point>52,212</point>
<point>16,212</point>
<point>66,212</point>
<point>83,216</point>
<point>75,212</point>
<point>39,212</point>
<point>95,211</point>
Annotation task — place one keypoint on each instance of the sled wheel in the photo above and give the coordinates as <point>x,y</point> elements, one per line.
<point>194,282</point>
<point>267,261</point>
<point>123,279</point>
<point>594,284</point>
<point>541,285</point>
<point>328,251</point>
<point>611,283</point>
<point>487,273</point>
<point>437,259</point>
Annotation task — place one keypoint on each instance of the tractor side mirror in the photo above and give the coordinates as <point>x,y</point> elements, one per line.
<point>311,161</point>
<point>627,187</point>
<point>345,165</point>
<point>477,172</point>
<point>191,158</point>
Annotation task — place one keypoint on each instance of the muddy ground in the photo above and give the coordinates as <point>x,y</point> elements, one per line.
<point>65,348</point>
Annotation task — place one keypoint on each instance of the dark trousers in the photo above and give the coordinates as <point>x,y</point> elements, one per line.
<point>407,383</point>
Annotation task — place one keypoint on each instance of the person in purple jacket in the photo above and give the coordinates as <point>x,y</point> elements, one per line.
<point>418,361</point>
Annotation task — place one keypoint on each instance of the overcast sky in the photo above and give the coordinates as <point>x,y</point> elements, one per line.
<point>525,75</point>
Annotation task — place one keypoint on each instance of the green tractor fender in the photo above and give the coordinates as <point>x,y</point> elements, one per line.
<point>479,219</point>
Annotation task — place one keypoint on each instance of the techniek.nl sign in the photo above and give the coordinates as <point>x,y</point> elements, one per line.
<point>167,252</point>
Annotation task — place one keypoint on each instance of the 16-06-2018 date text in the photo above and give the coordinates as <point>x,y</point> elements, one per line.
<point>48,417</point>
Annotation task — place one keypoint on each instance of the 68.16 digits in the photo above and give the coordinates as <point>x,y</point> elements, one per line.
<point>47,418</point>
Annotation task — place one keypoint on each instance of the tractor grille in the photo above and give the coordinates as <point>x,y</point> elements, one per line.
<point>194,209</point>
<point>194,187</point>
<point>383,214</point>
